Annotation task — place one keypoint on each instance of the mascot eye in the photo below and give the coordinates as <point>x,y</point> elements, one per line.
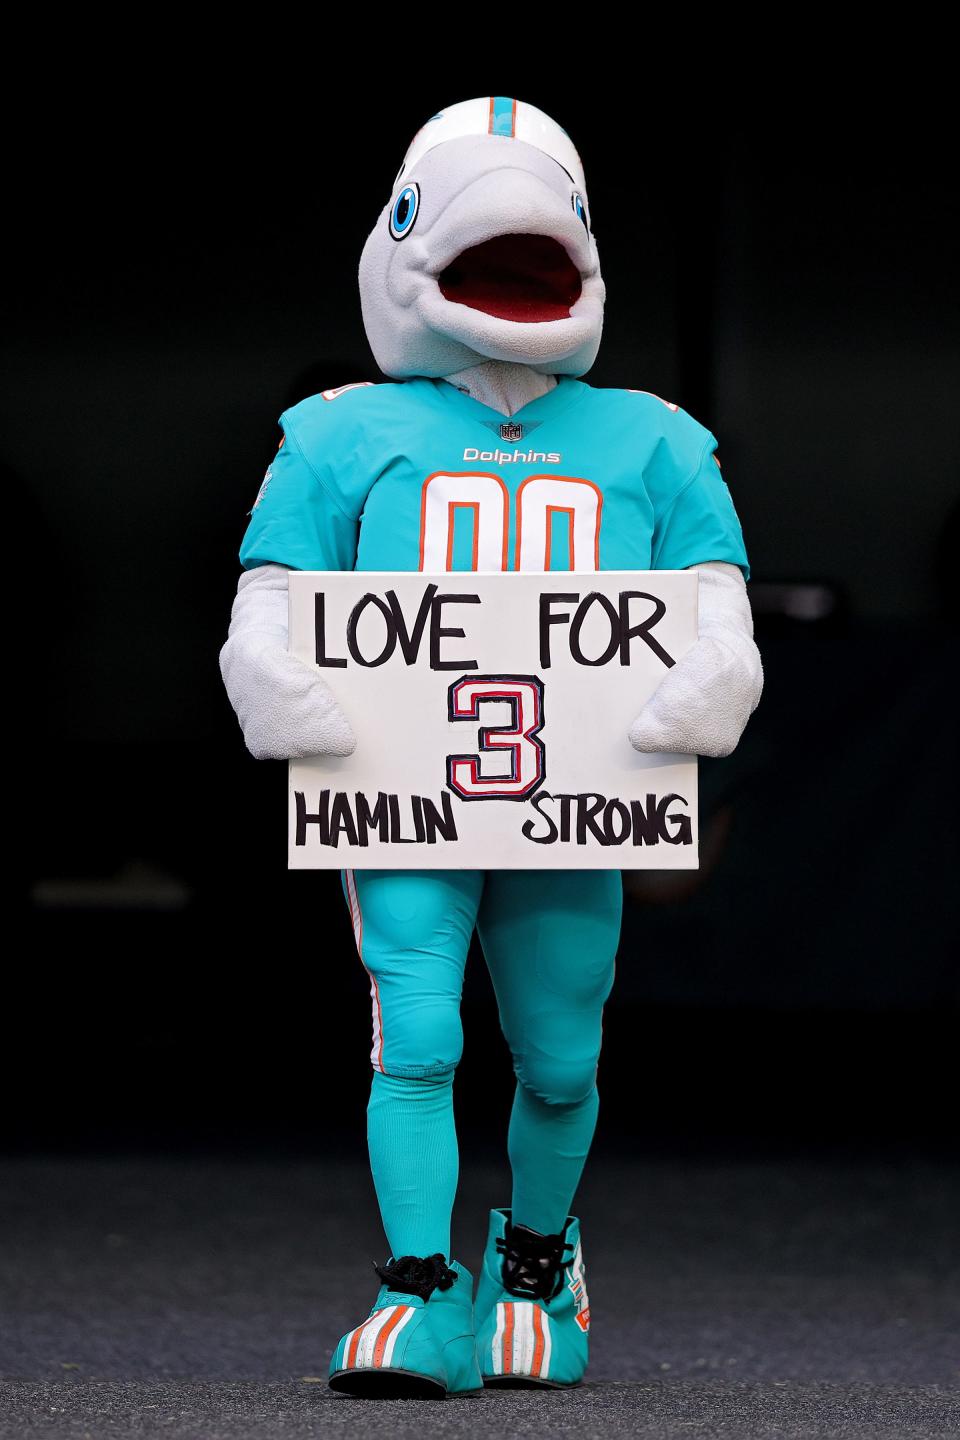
<point>580,210</point>
<point>404,211</point>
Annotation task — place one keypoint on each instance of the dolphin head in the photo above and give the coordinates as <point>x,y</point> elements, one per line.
<point>484,249</point>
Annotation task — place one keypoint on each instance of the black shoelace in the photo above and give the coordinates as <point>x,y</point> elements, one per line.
<point>533,1264</point>
<point>417,1275</point>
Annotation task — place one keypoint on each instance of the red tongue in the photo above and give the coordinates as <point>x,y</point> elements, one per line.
<point>515,277</point>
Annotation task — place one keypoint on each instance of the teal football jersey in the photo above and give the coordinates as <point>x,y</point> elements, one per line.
<point>417,475</point>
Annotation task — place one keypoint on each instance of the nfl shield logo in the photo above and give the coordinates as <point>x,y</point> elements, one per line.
<point>510,430</point>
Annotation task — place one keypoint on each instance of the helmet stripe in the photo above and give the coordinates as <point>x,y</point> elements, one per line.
<point>503,116</point>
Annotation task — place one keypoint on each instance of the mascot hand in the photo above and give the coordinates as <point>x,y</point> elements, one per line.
<point>703,703</point>
<point>286,709</point>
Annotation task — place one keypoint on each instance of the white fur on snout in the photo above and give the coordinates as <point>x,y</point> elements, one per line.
<point>510,200</point>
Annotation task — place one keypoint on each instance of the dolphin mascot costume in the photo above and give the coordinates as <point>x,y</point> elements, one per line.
<point>482,298</point>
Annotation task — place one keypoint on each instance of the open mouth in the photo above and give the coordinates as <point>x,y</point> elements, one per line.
<point>515,277</point>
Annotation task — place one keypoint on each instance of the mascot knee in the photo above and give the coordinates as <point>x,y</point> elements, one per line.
<point>429,1048</point>
<point>558,1081</point>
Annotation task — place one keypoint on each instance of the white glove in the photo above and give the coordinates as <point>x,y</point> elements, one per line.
<point>285,707</point>
<point>703,703</point>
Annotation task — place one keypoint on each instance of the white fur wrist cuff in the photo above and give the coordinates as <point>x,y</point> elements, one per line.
<point>285,708</point>
<point>703,703</point>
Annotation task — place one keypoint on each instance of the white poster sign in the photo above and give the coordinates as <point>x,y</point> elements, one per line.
<point>491,712</point>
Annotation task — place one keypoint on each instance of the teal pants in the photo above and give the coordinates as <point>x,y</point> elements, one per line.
<point>549,939</point>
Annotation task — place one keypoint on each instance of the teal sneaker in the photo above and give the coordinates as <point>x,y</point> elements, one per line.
<point>418,1341</point>
<point>531,1314</point>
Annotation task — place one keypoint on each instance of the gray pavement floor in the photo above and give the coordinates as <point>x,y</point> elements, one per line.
<point>201,1297</point>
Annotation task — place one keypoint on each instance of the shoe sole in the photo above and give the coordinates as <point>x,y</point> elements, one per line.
<point>387,1384</point>
<point>526,1382</point>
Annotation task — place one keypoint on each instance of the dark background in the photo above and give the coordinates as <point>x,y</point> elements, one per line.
<point>182,273</point>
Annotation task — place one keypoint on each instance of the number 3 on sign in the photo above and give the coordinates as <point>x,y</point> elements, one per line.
<point>539,498</point>
<point>517,739</point>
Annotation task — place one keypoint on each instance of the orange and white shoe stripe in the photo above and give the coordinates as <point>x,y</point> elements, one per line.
<point>373,1342</point>
<point>376,1051</point>
<point>522,1341</point>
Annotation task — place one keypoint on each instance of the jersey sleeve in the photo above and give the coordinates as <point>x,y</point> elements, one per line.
<point>698,522</point>
<point>307,512</point>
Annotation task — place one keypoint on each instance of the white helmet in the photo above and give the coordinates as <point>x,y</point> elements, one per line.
<point>496,115</point>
